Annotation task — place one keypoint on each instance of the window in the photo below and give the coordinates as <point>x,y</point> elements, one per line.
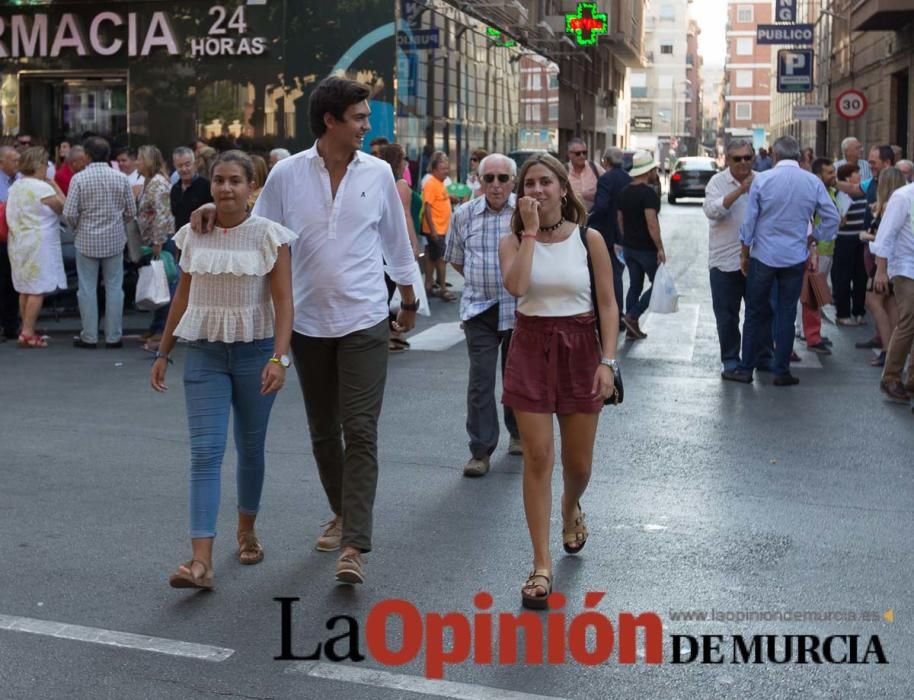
<point>666,48</point>
<point>638,84</point>
<point>534,81</point>
<point>744,46</point>
<point>744,78</point>
<point>553,81</point>
<point>553,111</point>
<point>744,14</point>
<point>667,13</point>
<point>665,81</point>
<point>744,110</point>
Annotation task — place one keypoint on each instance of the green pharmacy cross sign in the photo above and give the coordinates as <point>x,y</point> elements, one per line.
<point>586,24</point>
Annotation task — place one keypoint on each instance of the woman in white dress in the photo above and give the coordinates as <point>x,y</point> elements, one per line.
<point>36,260</point>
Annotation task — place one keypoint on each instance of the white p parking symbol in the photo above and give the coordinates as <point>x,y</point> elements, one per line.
<point>794,62</point>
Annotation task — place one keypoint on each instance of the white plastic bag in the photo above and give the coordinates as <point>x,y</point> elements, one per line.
<point>152,287</point>
<point>664,297</point>
<point>419,291</point>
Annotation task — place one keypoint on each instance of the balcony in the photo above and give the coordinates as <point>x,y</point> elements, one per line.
<point>881,15</point>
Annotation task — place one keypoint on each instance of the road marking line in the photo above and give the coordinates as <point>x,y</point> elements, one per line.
<point>441,336</point>
<point>413,684</point>
<point>126,640</point>
<point>671,337</point>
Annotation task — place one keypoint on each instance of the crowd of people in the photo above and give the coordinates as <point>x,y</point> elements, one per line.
<point>301,256</point>
<point>790,239</point>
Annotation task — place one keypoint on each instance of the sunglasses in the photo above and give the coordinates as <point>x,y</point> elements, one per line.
<point>489,178</point>
<point>579,153</point>
<point>741,159</point>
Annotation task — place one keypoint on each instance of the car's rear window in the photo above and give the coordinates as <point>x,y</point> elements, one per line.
<point>697,164</point>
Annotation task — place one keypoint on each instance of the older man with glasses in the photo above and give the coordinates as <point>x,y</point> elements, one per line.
<point>486,307</point>
<point>781,203</point>
<point>583,173</point>
<point>725,207</point>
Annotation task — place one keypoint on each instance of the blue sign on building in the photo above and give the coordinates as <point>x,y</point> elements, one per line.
<point>419,39</point>
<point>795,34</point>
<point>795,70</point>
<point>785,11</point>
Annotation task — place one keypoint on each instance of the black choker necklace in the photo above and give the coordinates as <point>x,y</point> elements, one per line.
<point>549,229</point>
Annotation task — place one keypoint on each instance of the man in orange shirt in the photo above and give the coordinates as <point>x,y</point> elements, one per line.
<point>435,225</point>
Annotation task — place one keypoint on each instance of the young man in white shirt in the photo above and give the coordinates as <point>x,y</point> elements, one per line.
<point>345,208</point>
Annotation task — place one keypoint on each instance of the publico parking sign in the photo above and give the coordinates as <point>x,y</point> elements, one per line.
<point>851,104</point>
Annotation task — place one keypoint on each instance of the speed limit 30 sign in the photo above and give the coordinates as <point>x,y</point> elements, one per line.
<point>851,104</point>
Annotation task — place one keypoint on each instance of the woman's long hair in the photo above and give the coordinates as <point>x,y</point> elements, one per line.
<point>572,208</point>
<point>890,179</point>
<point>153,156</point>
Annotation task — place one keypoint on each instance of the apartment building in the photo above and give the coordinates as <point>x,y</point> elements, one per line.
<point>661,92</point>
<point>748,78</point>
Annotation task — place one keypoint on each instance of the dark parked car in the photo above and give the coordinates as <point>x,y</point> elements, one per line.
<point>690,177</point>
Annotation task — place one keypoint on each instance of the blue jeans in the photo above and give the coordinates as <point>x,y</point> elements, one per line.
<point>765,318</point>
<point>728,289</point>
<point>639,263</point>
<point>160,315</point>
<point>217,378</point>
<point>87,295</point>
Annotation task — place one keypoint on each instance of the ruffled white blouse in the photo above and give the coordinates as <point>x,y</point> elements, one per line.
<point>230,299</point>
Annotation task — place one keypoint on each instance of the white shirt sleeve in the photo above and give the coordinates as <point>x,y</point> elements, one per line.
<point>394,236</point>
<point>269,201</point>
<point>893,220</point>
<point>714,200</point>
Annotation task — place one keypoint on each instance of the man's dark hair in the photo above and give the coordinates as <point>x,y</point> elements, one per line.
<point>818,164</point>
<point>333,95</point>
<point>97,149</point>
<point>846,170</point>
<point>379,141</point>
<point>131,152</point>
<point>886,154</point>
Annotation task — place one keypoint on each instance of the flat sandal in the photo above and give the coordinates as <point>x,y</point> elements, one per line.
<point>179,579</point>
<point>574,532</point>
<point>531,600</point>
<point>249,544</point>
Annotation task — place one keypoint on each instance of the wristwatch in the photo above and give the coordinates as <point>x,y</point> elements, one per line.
<point>410,307</point>
<point>282,360</point>
<point>160,355</point>
<point>612,364</point>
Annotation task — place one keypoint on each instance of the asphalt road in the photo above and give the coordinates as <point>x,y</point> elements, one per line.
<point>706,495</point>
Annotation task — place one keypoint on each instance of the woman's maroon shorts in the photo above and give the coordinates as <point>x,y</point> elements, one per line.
<point>551,365</point>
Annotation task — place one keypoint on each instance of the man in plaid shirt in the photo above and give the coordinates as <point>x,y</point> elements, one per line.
<point>99,203</point>
<point>486,307</point>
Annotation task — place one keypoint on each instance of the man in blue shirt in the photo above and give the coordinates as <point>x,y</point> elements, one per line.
<point>782,204</point>
<point>9,299</point>
<point>762,161</point>
<point>603,215</point>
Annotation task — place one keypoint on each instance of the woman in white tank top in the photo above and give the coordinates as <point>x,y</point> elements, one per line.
<point>555,362</point>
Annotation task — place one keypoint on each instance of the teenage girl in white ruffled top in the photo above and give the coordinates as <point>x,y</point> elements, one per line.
<point>234,307</point>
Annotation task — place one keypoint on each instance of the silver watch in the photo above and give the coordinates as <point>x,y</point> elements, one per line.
<point>612,364</point>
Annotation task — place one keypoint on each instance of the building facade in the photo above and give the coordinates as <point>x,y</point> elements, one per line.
<point>748,77</point>
<point>694,86</point>
<point>539,104</point>
<point>662,92</point>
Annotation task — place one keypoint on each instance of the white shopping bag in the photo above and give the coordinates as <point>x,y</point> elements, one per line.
<point>152,287</point>
<point>419,291</point>
<point>664,297</point>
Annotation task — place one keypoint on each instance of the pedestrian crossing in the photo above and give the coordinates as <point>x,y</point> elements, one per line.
<point>671,338</point>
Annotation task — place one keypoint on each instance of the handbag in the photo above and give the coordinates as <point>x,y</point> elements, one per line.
<point>619,394</point>
<point>152,287</point>
<point>820,290</point>
<point>134,241</point>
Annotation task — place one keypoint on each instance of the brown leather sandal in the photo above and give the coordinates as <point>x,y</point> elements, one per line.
<point>574,532</point>
<point>184,576</point>
<point>528,596</point>
<point>250,551</point>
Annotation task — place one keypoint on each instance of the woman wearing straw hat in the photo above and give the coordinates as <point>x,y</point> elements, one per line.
<point>639,205</point>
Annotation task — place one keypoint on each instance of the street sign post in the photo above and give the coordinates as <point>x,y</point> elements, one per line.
<point>810,113</point>
<point>785,11</point>
<point>851,104</point>
<point>795,70</point>
<point>794,34</point>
